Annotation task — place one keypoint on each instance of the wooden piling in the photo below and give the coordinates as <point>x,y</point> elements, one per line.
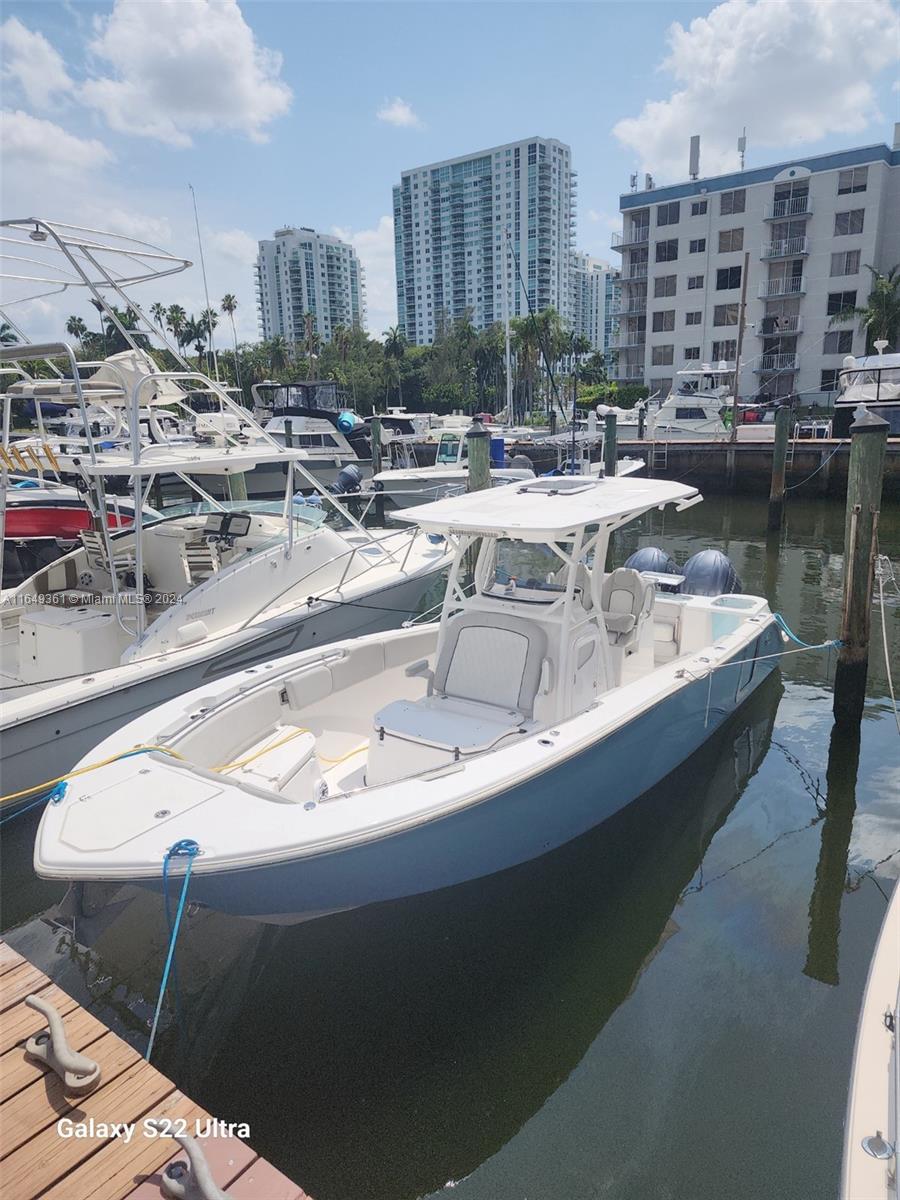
<point>779,464</point>
<point>642,417</point>
<point>375,428</point>
<point>237,486</point>
<point>478,445</point>
<point>868,443</point>
<point>610,446</point>
<point>289,433</point>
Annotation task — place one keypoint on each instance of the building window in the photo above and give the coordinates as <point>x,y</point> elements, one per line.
<point>838,341</point>
<point>725,314</point>
<point>693,318</point>
<point>849,222</point>
<point>726,350</point>
<point>854,180</point>
<point>697,246</point>
<point>662,356</point>
<point>733,202</point>
<point>667,251</point>
<point>692,353</point>
<point>828,380</point>
<point>664,322</point>
<point>668,214</point>
<point>664,285</point>
<point>694,282</point>
<point>728,277</point>
<point>698,208</point>
<point>845,262</point>
<point>730,240</point>
<point>839,301</point>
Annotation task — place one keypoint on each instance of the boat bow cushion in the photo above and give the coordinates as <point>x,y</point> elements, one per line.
<point>491,658</point>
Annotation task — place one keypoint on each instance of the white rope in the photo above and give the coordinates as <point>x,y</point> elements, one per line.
<point>884,569</point>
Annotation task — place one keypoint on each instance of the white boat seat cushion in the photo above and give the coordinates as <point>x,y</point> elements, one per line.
<point>626,599</point>
<point>491,658</point>
<point>455,725</point>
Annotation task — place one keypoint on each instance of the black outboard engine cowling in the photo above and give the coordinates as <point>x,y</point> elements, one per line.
<point>349,480</point>
<point>652,558</point>
<point>709,573</point>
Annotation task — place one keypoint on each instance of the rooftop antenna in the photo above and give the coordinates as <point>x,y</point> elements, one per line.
<point>205,284</point>
<point>694,162</point>
<point>633,182</point>
<point>742,146</point>
<point>648,182</point>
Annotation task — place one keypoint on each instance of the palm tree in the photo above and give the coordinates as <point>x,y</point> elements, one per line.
<point>176,319</point>
<point>228,305</point>
<point>194,333</point>
<point>77,328</point>
<point>880,316</point>
<point>395,348</point>
<point>209,319</point>
<point>279,353</point>
<point>158,313</point>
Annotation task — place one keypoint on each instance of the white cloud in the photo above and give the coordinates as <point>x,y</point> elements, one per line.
<point>32,144</point>
<point>375,248</point>
<point>236,245</point>
<point>182,67</point>
<point>600,217</point>
<point>156,230</point>
<point>791,72</point>
<point>32,64</point>
<point>399,112</point>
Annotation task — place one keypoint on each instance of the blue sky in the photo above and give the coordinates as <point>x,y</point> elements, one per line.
<point>295,113</point>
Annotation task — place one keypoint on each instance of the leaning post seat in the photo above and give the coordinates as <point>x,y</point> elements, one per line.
<point>626,599</point>
<point>482,691</point>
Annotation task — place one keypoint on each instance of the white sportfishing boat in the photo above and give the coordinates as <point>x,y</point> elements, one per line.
<point>700,408</point>
<point>872,1126</point>
<point>549,696</point>
<point>873,381</point>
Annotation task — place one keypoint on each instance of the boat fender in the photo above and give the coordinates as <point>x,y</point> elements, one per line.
<point>79,1073</point>
<point>191,632</point>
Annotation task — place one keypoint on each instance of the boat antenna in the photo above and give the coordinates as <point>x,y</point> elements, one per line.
<point>205,284</point>
<point>537,328</point>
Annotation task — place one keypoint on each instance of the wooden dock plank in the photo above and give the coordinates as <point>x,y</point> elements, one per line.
<point>18,1024</point>
<point>45,1100</point>
<point>262,1181</point>
<point>9,958</point>
<point>18,983</point>
<point>17,1071</point>
<point>228,1158</point>
<point>117,1167</point>
<point>47,1157</point>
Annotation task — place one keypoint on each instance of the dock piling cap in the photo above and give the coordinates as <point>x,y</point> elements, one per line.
<point>867,422</point>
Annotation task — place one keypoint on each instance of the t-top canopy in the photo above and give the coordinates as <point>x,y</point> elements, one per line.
<point>191,460</point>
<point>545,509</point>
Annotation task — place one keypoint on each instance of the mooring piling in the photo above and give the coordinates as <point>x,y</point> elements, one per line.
<point>779,466</point>
<point>478,445</point>
<point>375,435</point>
<point>610,448</point>
<point>868,443</point>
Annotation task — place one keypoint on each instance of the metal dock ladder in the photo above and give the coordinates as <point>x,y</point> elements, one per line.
<point>659,460</point>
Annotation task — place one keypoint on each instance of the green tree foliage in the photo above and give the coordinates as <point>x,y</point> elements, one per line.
<point>880,316</point>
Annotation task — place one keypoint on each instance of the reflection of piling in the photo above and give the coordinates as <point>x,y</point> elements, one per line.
<point>779,465</point>
<point>831,871</point>
<point>868,443</point>
<point>610,449</point>
<point>237,486</point>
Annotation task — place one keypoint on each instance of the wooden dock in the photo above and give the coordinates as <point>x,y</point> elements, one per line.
<point>37,1163</point>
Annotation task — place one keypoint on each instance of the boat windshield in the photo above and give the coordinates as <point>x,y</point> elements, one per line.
<point>523,571</point>
<point>311,515</point>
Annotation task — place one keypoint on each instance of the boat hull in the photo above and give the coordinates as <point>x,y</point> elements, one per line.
<point>49,744</point>
<point>505,829</point>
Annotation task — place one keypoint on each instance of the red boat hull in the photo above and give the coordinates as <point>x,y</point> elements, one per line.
<point>65,521</point>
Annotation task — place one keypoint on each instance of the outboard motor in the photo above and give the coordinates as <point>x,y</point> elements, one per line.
<point>709,573</point>
<point>652,558</point>
<point>349,480</point>
<point>521,462</point>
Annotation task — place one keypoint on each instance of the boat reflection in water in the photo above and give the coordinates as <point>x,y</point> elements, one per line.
<point>385,1051</point>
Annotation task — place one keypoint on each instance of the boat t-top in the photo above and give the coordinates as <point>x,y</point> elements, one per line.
<point>551,693</point>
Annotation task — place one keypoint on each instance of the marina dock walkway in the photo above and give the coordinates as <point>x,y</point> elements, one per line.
<point>37,1163</point>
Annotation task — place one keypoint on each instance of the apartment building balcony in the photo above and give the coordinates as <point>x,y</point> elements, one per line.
<point>792,247</point>
<point>628,340</point>
<point>634,271</point>
<point>778,326</point>
<point>794,285</point>
<point>776,362</point>
<point>796,206</point>
<point>639,235</point>
<point>631,306</point>
<point>629,371</point>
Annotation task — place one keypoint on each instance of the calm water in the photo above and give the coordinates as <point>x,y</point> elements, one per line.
<point>664,1009</point>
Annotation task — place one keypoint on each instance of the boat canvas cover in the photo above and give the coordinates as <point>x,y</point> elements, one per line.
<point>546,508</point>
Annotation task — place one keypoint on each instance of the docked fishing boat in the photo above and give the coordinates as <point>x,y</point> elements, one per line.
<point>700,408</point>
<point>873,381</point>
<point>550,695</point>
<point>872,1128</point>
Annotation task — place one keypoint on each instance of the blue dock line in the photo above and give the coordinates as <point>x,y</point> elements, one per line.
<point>189,849</point>
<point>786,629</point>
<point>52,797</point>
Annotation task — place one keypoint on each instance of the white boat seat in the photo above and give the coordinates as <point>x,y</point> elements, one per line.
<point>460,726</point>
<point>626,599</point>
<point>491,658</point>
<point>95,552</point>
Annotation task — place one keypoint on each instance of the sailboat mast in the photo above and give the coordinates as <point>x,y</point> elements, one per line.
<point>507,355</point>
